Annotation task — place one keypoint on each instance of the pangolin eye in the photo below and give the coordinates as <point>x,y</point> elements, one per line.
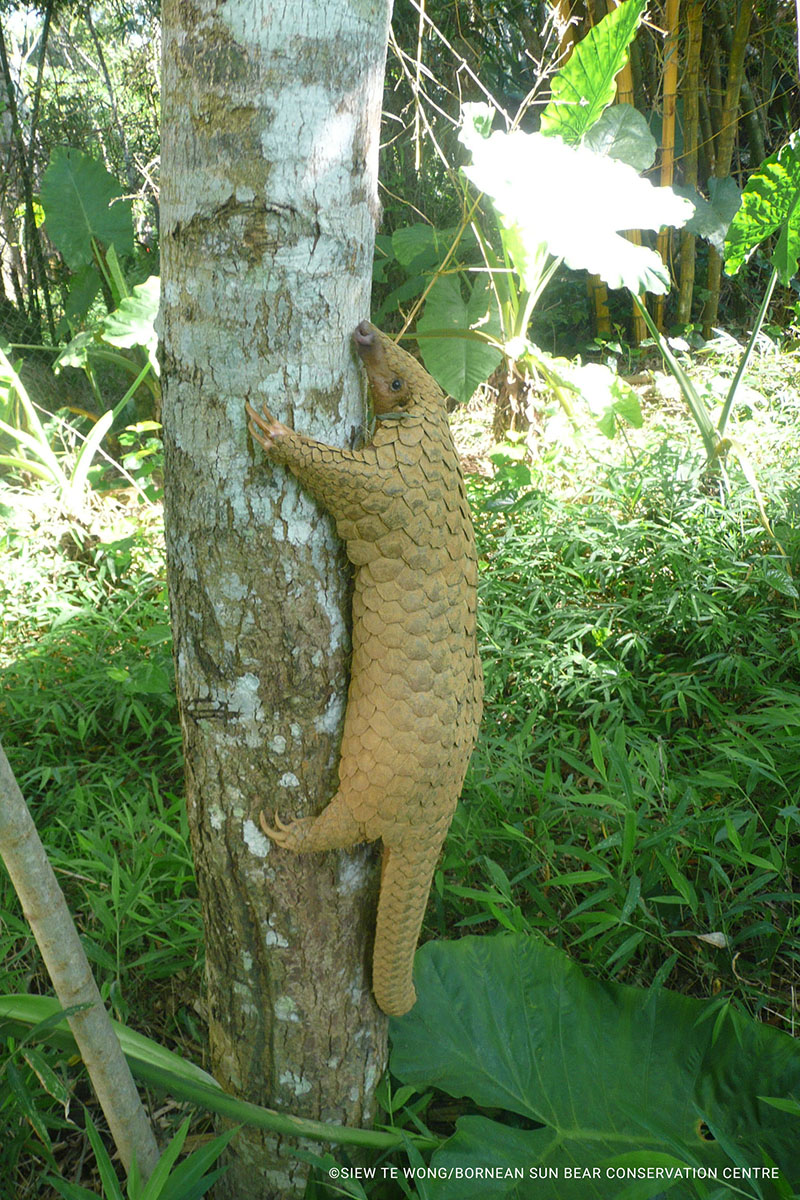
<point>396,385</point>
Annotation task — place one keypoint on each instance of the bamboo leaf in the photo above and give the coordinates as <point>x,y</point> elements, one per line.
<point>169,1157</point>
<point>108,1176</point>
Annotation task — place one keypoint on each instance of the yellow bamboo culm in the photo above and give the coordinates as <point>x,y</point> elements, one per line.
<point>691,132</point>
<point>726,139</point>
<point>625,96</point>
<point>670,93</point>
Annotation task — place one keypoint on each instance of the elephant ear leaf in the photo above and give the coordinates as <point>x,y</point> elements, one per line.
<point>596,1075</point>
<point>585,85</point>
<point>81,202</point>
<point>770,204</point>
<point>133,323</point>
<point>459,364</point>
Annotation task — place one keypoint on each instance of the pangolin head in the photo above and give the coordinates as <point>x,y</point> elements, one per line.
<point>397,382</point>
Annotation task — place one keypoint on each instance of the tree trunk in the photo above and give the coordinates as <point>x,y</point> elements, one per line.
<point>270,138</point>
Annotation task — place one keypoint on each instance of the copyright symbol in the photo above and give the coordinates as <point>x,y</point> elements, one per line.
<point>334,1173</point>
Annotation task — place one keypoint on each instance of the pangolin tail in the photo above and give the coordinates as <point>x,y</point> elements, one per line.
<point>406,875</point>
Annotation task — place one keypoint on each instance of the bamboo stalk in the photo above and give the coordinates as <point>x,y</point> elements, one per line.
<point>751,114</point>
<point>670,93</point>
<point>625,96</point>
<point>691,126</point>
<point>35,264</point>
<point>565,27</point>
<point>706,147</point>
<point>725,144</point>
<point>48,916</point>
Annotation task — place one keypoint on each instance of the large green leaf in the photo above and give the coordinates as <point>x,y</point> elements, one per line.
<point>770,202</point>
<point>459,364</point>
<point>133,323</point>
<point>603,1070</point>
<point>711,218</point>
<point>623,133</point>
<point>542,187</point>
<point>585,85</point>
<point>81,201</point>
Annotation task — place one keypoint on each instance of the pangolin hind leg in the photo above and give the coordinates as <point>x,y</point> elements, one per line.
<point>334,829</point>
<point>406,875</point>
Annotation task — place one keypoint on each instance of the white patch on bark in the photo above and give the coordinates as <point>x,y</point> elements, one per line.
<point>371,1076</point>
<point>330,719</point>
<point>285,1009</point>
<point>243,700</point>
<point>297,1083</point>
<point>288,780</point>
<point>299,528</point>
<point>278,744</point>
<point>272,937</point>
<point>256,841</point>
<point>330,606</point>
<point>246,1005</point>
<point>295,731</point>
<point>216,817</point>
<point>232,587</point>
<point>352,874</point>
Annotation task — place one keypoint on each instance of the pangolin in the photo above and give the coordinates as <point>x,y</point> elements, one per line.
<point>416,688</point>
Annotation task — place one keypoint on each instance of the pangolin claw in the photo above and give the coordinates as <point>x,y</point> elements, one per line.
<point>282,835</point>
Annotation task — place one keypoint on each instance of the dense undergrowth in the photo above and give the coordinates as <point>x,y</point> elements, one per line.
<point>635,793</point>
<point>633,798</point>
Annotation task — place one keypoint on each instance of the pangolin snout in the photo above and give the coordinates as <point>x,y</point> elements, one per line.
<point>364,336</point>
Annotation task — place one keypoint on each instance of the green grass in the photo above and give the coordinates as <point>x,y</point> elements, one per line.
<point>90,728</point>
<point>634,794</point>
<point>89,724</point>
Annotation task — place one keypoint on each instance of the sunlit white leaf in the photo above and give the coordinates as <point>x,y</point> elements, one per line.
<point>577,202</point>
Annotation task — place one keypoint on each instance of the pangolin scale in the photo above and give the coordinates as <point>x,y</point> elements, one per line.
<point>416,689</point>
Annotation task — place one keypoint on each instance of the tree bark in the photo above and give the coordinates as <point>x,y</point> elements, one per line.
<point>269,201</point>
